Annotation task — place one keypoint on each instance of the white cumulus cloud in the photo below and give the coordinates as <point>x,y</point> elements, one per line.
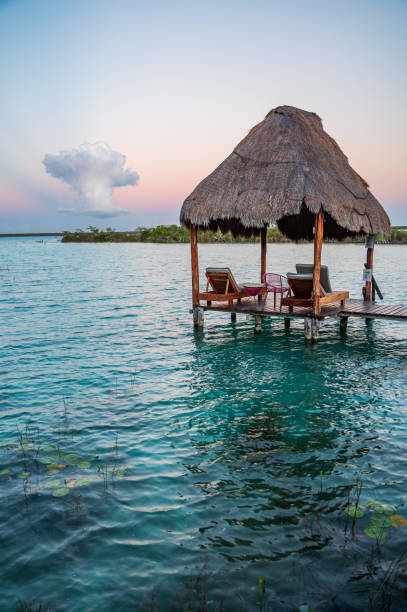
<point>92,171</point>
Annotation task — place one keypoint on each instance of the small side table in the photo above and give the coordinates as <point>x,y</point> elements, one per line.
<point>254,289</point>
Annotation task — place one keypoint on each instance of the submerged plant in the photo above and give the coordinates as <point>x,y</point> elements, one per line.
<point>354,511</point>
<point>262,590</point>
<point>379,507</point>
<point>397,520</point>
<point>60,492</point>
<point>33,606</point>
<point>382,598</point>
<point>376,531</point>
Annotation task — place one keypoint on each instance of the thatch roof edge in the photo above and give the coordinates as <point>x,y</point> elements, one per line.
<point>284,169</point>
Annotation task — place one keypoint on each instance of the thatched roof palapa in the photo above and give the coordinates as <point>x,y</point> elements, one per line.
<point>282,173</point>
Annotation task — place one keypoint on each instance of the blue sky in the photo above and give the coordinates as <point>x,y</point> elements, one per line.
<point>174,86</point>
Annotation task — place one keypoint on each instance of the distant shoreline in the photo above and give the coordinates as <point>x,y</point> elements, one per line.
<point>176,234</point>
<point>173,234</point>
<point>31,235</point>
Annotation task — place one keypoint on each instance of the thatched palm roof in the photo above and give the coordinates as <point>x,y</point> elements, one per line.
<point>285,169</point>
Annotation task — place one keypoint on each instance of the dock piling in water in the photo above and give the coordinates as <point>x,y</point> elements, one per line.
<point>343,322</point>
<point>198,314</point>
<point>311,329</point>
<point>257,324</point>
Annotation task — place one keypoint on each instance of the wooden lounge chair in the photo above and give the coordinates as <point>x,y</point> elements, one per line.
<point>301,292</point>
<point>324,275</point>
<point>224,287</point>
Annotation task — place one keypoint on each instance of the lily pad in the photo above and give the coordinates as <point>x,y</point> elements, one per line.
<point>45,460</point>
<point>84,465</point>
<point>397,520</point>
<point>372,503</point>
<point>5,470</point>
<point>53,483</point>
<point>24,475</point>
<point>51,473</point>
<point>380,520</point>
<point>352,510</point>
<point>71,458</point>
<point>84,482</point>
<point>120,473</point>
<point>380,508</point>
<point>71,483</point>
<point>57,457</point>
<point>60,492</point>
<point>49,448</point>
<point>23,447</point>
<point>378,533</point>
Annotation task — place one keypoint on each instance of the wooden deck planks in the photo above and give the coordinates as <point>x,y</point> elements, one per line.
<point>374,309</point>
<point>352,307</point>
<point>266,307</point>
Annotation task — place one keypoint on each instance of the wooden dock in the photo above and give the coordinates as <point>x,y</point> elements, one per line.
<point>259,308</point>
<point>373,310</point>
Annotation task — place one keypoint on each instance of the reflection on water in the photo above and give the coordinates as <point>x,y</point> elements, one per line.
<point>241,452</point>
<point>282,440</point>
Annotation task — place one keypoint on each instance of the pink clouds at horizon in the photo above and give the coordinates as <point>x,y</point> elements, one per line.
<point>166,189</point>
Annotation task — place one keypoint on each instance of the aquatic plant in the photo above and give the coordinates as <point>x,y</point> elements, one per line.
<point>376,531</point>
<point>83,482</point>
<point>380,520</point>
<point>397,520</point>
<point>380,508</point>
<point>53,483</point>
<point>110,470</point>
<point>48,460</point>
<point>262,589</point>
<point>381,516</point>
<point>61,492</point>
<point>382,598</point>
<point>33,606</point>
<point>354,511</point>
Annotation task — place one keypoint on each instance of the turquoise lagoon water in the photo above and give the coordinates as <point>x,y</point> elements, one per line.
<point>201,468</point>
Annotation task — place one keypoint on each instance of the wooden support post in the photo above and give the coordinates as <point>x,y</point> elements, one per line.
<point>311,329</point>
<point>369,266</point>
<point>257,324</point>
<point>198,313</point>
<point>343,323</point>
<point>263,252</point>
<point>316,287</point>
<point>194,266</point>
<point>233,316</point>
<point>287,322</point>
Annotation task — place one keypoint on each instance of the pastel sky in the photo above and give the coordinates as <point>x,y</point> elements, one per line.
<point>174,85</point>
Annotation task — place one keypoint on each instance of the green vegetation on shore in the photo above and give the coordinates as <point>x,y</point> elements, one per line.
<point>179,234</point>
<point>161,233</point>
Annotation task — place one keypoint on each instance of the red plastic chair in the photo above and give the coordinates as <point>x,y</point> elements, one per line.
<point>276,283</point>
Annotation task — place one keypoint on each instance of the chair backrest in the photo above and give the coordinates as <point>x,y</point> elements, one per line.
<point>218,278</point>
<point>324,278</point>
<point>274,280</point>
<point>301,285</point>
